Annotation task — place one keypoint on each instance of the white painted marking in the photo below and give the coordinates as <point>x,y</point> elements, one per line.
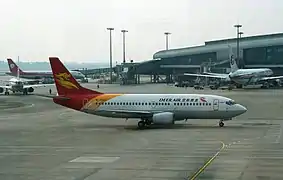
<point>279,136</point>
<point>91,159</point>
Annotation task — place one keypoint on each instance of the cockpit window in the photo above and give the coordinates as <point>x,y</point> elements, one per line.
<point>230,103</point>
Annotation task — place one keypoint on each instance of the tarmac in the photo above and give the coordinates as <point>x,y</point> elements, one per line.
<point>40,140</point>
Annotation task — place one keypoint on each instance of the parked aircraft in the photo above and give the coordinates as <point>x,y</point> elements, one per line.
<point>19,85</point>
<point>44,76</point>
<point>150,108</point>
<point>242,76</point>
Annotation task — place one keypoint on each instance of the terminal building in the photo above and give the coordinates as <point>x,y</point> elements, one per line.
<point>263,51</point>
<point>254,52</point>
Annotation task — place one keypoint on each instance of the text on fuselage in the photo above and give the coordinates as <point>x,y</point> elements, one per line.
<point>177,100</point>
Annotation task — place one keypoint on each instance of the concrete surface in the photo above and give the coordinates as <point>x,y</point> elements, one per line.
<point>41,140</point>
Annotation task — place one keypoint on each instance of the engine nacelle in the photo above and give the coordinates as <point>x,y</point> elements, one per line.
<point>30,89</point>
<point>1,90</point>
<point>163,118</point>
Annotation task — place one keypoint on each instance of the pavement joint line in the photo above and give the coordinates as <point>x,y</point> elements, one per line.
<point>21,107</point>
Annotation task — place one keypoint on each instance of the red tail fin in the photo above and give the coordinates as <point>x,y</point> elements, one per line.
<point>65,82</point>
<point>13,67</point>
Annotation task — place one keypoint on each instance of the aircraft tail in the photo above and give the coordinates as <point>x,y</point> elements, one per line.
<point>233,63</point>
<point>14,69</point>
<point>65,82</point>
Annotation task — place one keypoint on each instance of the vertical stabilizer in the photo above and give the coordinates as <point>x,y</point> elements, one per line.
<point>18,69</point>
<point>65,83</point>
<point>14,69</point>
<point>233,63</point>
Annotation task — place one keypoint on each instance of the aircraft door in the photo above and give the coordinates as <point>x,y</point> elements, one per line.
<point>85,101</point>
<point>215,104</point>
<point>153,104</point>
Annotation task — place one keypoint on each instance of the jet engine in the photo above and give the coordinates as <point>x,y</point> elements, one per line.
<point>1,90</point>
<point>163,118</point>
<point>30,89</point>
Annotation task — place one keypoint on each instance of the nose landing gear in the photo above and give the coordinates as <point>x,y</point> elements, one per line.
<point>221,123</point>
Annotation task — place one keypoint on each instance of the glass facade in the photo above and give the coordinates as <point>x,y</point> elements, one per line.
<point>271,55</point>
<point>195,59</point>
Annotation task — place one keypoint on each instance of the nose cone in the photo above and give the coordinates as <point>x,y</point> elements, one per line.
<point>240,109</point>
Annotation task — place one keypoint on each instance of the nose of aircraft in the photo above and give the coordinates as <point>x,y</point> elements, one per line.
<point>240,109</point>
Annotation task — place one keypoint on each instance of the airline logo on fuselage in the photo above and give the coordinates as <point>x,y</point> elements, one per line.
<point>202,99</point>
<point>64,80</point>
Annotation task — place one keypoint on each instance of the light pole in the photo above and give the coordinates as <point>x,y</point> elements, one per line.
<point>238,33</point>
<point>124,45</point>
<point>166,40</point>
<point>110,52</point>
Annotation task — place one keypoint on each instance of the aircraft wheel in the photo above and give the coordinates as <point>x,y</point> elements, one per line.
<point>147,122</point>
<point>6,93</point>
<point>221,124</point>
<point>141,124</point>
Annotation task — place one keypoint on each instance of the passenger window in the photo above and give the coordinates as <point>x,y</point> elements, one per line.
<point>196,104</point>
<point>149,103</point>
<point>145,103</point>
<point>209,104</point>
<point>142,104</point>
<point>139,103</point>
<point>193,104</point>
<point>174,104</point>
<point>126,103</point>
<point>177,104</point>
<point>161,104</point>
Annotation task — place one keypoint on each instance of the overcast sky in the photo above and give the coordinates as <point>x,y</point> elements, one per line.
<point>76,30</point>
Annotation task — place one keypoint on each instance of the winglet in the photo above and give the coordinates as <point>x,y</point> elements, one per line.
<point>66,84</point>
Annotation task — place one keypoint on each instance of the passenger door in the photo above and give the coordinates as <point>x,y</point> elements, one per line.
<point>215,104</point>
<point>85,101</point>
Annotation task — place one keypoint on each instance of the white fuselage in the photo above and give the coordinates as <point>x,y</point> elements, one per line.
<point>16,85</point>
<point>247,76</point>
<point>183,106</point>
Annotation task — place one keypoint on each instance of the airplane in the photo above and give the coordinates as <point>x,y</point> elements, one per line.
<point>45,76</point>
<point>19,85</point>
<point>242,76</point>
<point>149,108</point>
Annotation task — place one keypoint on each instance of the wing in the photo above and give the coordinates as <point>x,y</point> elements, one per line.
<point>271,78</point>
<point>37,85</point>
<point>215,74</point>
<point>129,113</point>
<point>207,75</point>
<point>5,87</point>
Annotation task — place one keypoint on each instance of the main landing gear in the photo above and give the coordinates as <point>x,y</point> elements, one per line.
<point>221,123</point>
<point>143,123</point>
